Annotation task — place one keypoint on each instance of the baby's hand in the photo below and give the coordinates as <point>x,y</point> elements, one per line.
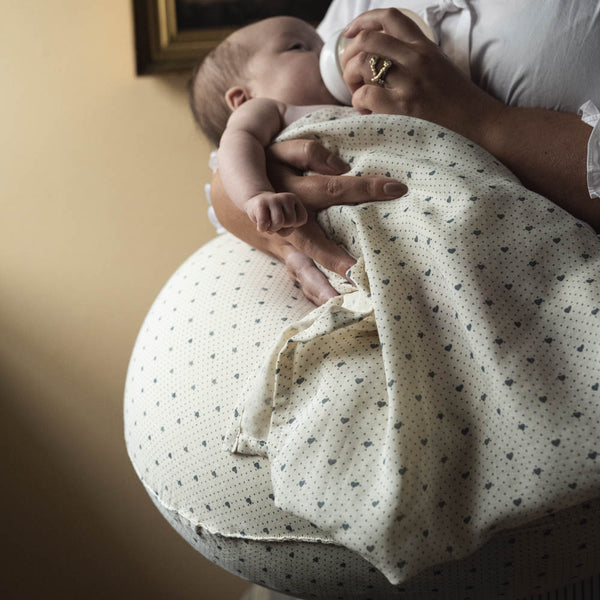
<point>273,211</point>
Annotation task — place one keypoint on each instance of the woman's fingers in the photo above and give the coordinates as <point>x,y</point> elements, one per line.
<point>317,192</point>
<point>357,69</point>
<point>422,81</point>
<point>307,155</point>
<point>369,42</point>
<point>322,191</point>
<point>412,63</point>
<point>389,20</point>
<point>312,242</point>
<point>312,282</point>
<point>420,74</point>
<point>368,97</point>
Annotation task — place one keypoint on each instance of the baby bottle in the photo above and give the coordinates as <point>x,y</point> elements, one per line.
<point>329,62</point>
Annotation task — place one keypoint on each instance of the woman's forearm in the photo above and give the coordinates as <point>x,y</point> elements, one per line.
<point>547,151</point>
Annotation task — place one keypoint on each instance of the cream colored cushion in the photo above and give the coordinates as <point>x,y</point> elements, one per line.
<point>186,378</point>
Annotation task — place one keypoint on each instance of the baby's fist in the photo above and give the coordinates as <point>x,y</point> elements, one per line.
<point>273,211</point>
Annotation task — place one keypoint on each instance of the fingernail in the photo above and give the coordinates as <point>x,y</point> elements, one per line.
<point>336,163</point>
<point>395,189</point>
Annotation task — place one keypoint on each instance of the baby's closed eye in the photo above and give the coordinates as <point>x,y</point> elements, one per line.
<point>298,46</point>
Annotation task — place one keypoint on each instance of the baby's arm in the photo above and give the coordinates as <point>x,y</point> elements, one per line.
<point>242,166</point>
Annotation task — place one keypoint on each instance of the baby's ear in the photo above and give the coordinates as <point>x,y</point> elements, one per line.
<point>235,97</point>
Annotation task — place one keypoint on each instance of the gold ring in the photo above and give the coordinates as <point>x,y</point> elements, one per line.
<point>379,67</point>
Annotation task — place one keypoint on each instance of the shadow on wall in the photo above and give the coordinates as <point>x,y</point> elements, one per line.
<point>76,521</point>
<point>101,181</point>
<point>60,544</point>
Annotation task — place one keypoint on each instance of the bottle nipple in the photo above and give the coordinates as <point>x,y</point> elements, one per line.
<point>331,69</point>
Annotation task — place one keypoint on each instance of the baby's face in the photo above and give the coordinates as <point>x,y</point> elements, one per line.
<point>285,61</point>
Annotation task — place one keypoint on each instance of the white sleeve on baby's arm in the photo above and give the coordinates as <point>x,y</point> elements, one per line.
<point>590,114</point>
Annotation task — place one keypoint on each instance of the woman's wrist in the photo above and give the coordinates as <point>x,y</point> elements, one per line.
<point>547,151</point>
<point>474,114</point>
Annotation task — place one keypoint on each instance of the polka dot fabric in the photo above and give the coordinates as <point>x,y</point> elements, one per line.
<point>180,401</point>
<point>200,345</point>
<point>453,391</point>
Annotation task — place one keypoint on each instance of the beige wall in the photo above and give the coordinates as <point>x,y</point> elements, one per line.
<point>101,176</point>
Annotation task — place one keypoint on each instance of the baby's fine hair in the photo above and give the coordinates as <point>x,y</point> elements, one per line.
<point>222,68</point>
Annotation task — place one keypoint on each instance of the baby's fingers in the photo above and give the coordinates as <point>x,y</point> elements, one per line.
<point>260,214</point>
<point>286,211</point>
<point>277,218</point>
<point>300,214</point>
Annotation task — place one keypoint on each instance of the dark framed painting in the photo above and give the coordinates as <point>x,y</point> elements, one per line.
<point>173,35</point>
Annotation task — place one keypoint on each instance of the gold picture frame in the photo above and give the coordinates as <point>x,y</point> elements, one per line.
<point>165,44</point>
<point>161,46</point>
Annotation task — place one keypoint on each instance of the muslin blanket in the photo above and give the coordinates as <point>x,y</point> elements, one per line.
<point>453,389</point>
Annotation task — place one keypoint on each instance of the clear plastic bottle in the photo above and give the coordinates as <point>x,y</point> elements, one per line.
<point>331,70</point>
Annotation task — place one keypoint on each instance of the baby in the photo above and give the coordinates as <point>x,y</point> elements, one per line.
<point>259,80</point>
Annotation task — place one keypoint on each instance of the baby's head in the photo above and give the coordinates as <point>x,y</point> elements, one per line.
<point>276,58</point>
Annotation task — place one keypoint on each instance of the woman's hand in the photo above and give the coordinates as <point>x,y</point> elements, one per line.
<point>545,149</point>
<point>422,81</point>
<point>287,161</point>
<point>299,248</point>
